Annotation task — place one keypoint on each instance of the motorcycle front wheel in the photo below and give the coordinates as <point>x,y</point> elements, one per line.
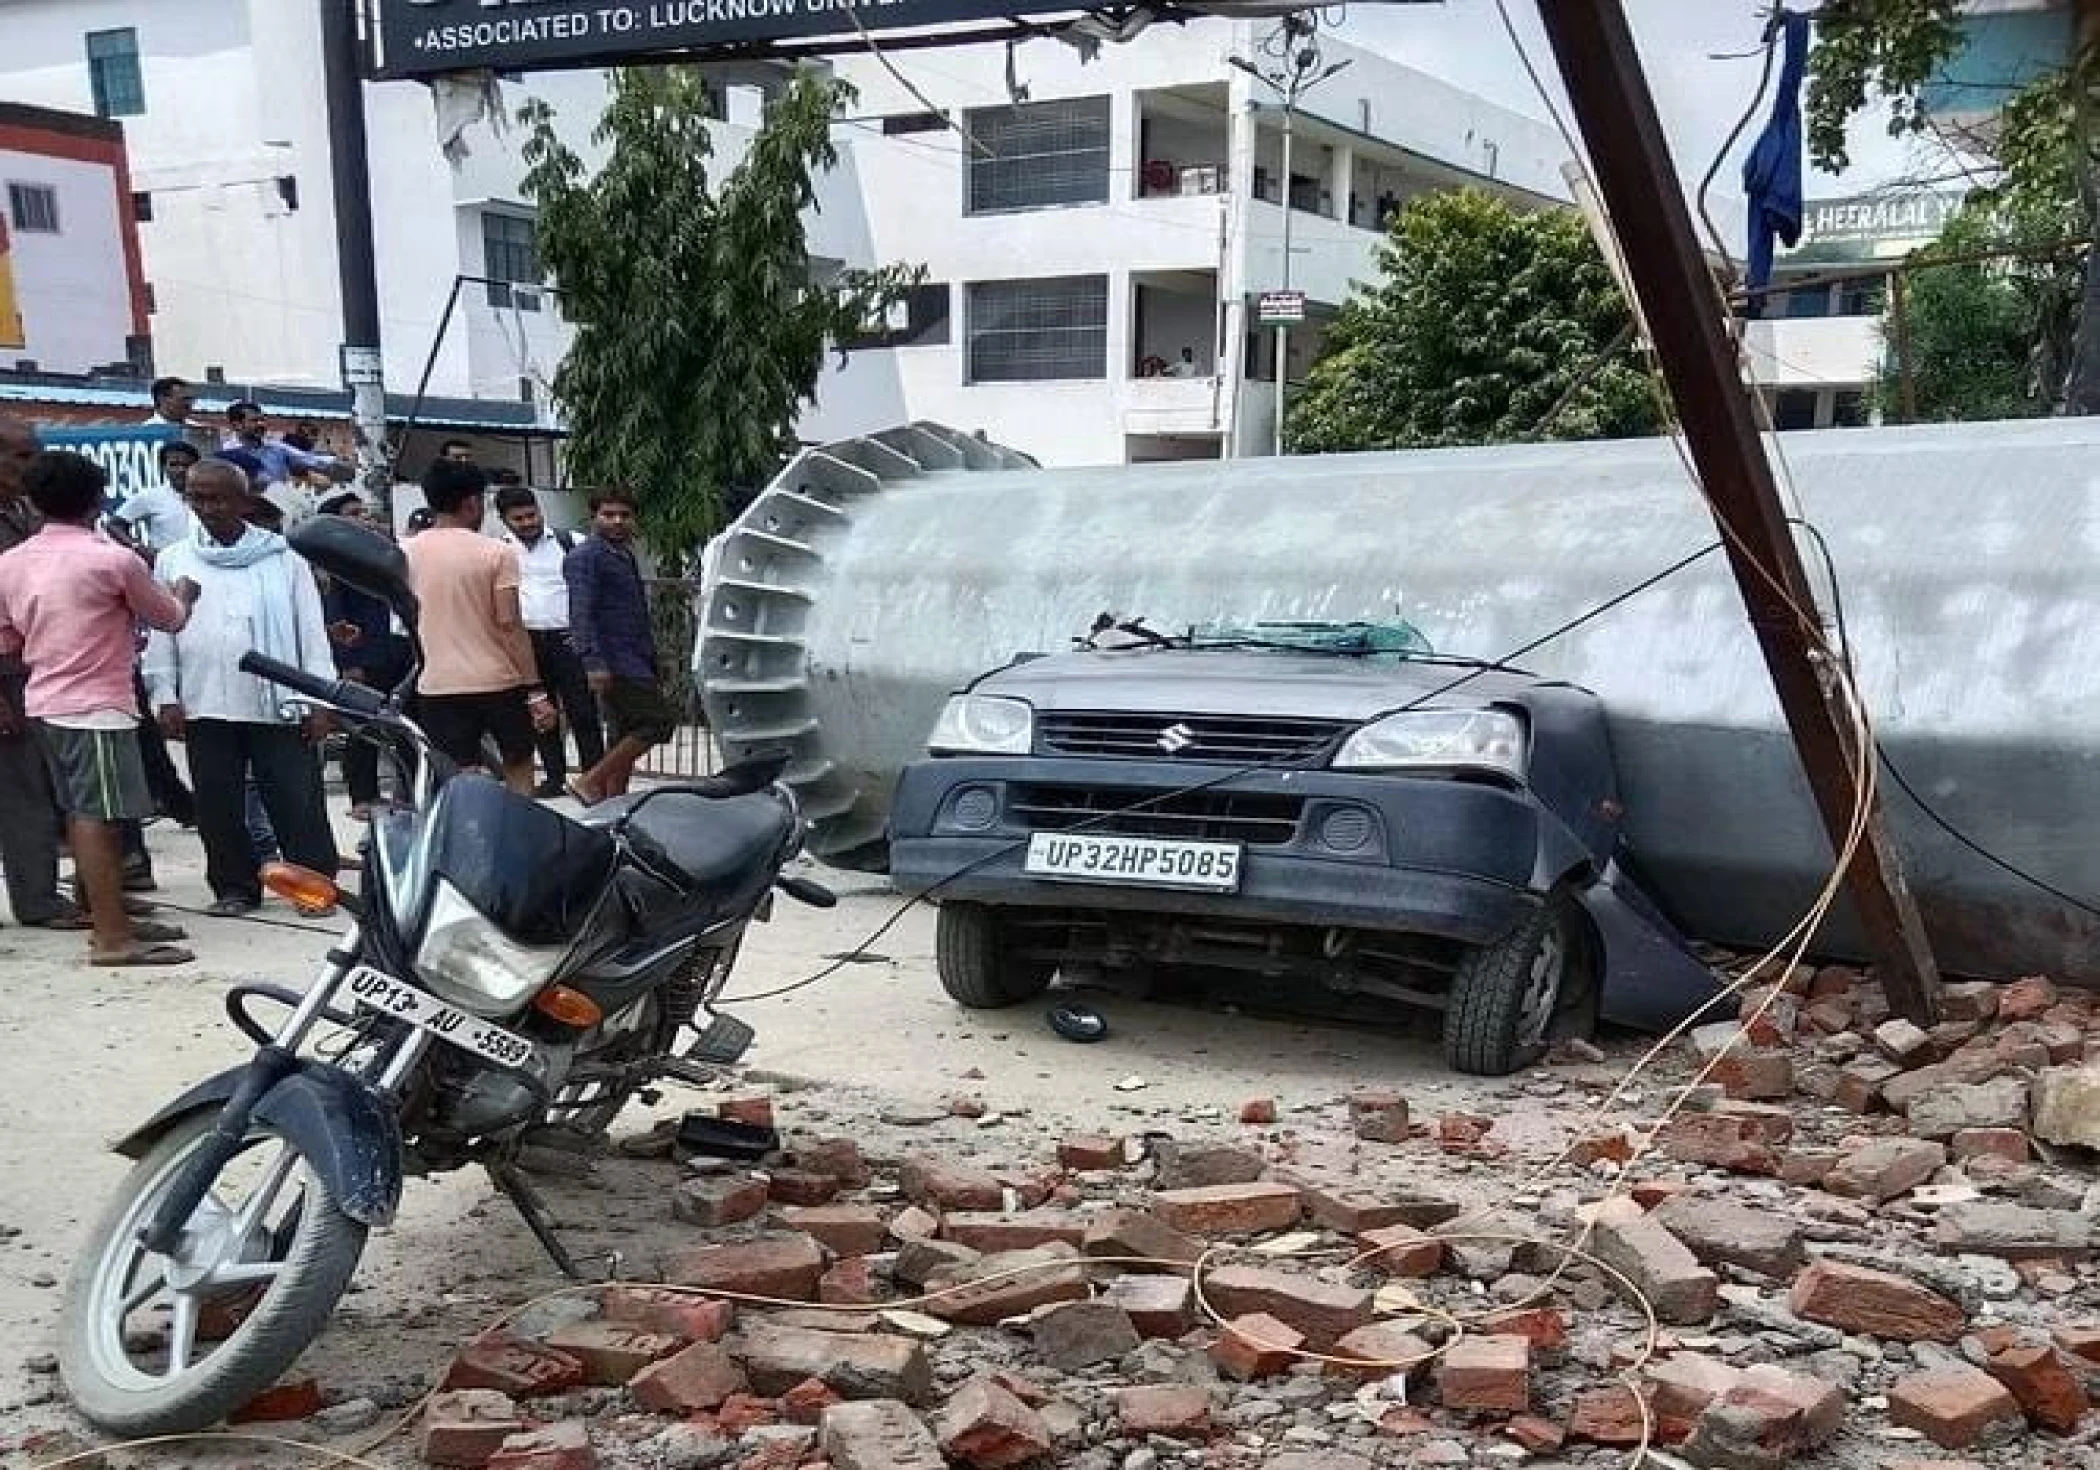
<point>166,1344</point>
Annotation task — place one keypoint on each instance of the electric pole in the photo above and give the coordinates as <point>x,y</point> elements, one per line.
<point>363,365</point>
<point>1683,309</point>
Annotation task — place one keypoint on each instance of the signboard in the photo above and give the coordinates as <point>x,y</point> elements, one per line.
<point>1874,226</point>
<point>11,332</point>
<point>1280,308</point>
<point>129,454</point>
<point>424,37</point>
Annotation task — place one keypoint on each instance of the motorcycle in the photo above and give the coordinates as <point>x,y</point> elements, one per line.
<point>507,974</point>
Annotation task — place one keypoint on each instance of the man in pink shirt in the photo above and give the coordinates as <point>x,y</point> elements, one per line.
<point>69,601</point>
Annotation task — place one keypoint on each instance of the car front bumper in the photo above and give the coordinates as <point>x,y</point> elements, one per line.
<point>1448,859</point>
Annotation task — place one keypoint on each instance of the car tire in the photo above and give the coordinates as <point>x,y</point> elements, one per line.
<point>1507,997</point>
<point>976,962</point>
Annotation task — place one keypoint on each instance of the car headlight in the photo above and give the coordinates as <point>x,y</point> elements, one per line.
<point>1438,739</point>
<point>983,724</point>
<point>470,962</point>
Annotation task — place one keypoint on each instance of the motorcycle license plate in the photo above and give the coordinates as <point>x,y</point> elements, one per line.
<point>1148,862</point>
<point>378,991</point>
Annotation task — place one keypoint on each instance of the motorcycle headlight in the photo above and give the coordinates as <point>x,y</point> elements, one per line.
<point>1438,739</point>
<point>470,962</point>
<point>983,724</point>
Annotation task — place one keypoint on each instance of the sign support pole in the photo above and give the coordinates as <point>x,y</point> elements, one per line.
<point>364,366</point>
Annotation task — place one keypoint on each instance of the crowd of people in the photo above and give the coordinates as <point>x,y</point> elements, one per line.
<point>122,630</point>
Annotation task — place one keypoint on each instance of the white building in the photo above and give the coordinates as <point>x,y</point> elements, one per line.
<point>1075,243</point>
<point>72,288</point>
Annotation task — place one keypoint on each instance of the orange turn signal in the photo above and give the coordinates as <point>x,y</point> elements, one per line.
<point>301,887</point>
<point>570,1007</point>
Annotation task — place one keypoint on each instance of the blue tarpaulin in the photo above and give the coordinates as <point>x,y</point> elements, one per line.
<point>1772,172</point>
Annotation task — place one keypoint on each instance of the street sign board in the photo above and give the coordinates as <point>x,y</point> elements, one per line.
<point>424,37</point>
<point>1280,308</point>
<point>129,454</point>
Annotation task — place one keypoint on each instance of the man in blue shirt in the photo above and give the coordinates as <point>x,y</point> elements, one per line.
<point>609,627</point>
<point>281,462</point>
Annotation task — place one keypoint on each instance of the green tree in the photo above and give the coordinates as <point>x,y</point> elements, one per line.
<point>2047,150</point>
<point>700,328</point>
<point>1487,325</point>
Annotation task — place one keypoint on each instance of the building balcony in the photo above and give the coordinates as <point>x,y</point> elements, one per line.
<point>1173,407</point>
<point>1808,352</point>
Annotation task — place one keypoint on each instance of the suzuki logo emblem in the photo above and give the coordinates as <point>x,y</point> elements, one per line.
<point>1176,738</point>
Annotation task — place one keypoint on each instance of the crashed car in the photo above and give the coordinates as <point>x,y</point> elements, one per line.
<point>1335,807</point>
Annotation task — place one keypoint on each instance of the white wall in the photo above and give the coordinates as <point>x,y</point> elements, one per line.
<point>1790,352</point>
<point>73,288</point>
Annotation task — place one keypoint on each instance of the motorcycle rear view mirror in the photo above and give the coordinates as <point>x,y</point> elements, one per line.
<point>358,557</point>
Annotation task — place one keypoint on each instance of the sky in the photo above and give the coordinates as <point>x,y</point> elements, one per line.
<point>1700,98</point>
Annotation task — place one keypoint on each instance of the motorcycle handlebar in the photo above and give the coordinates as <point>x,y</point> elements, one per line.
<point>357,699</point>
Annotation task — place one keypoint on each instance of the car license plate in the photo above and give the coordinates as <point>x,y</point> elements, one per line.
<point>1148,862</point>
<point>381,992</point>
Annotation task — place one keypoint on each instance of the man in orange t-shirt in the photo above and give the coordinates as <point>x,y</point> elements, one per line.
<point>478,677</point>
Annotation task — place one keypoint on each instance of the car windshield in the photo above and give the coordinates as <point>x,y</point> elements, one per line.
<point>1395,640</point>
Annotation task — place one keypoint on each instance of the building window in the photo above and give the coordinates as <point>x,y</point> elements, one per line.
<point>919,320</point>
<point>1848,408</point>
<point>142,207</point>
<point>33,208</point>
<point>1861,298</point>
<point>113,73</point>
<point>511,257</point>
<point>1038,156</point>
<point>1027,331</point>
<point>1805,301</point>
<point>1795,408</point>
<point>914,122</point>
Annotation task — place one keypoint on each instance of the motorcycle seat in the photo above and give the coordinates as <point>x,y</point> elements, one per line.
<point>713,841</point>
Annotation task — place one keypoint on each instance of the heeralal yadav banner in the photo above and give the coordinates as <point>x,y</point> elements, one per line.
<point>422,37</point>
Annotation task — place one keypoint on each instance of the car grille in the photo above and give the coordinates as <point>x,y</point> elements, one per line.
<point>1255,817</point>
<point>1228,739</point>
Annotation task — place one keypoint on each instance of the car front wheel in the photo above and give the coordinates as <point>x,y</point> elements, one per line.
<point>1509,997</point>
<point>978,965</point>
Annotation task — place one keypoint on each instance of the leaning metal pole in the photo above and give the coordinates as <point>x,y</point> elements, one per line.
<point>1638,183</point>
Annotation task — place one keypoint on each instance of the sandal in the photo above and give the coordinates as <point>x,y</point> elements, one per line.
<point>71,923</point>
<point>142,956</point>
<point>583,797</point>
<point>153,931</point>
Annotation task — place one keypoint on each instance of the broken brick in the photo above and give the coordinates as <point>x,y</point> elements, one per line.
<point>2003,1143</point>
<point>1545,1328</point>
<point>692,1379</point>
<point>1258,1111</point>
<point>1401,1250</point>
<point>1203,1164</point>
<point>1753,1073</point>
<point>841,1158</point>
<point>1323,1312</point>
<point>910,1223</point>
<point>1875,1303</point>
<point>801,1187</point>
<point>1808,1166</point>
<point>1656,1263</point>
<point>2013,1232</point>
<point>1177,1411</point>
<point>754,1112</point>
<point>1680,1389</point>
<point>1722,1232</point>
<point>513,1366</point>
<point>2048,1388</point>
<point>1352,1209</point>
<point>1078,1334</point>
<point>2080,1342</point>
<point>940,1184</point>
<point>1256,1345</point>
<point>986,1427</point>
<point>718,1200</point>
<point>1380,1351</point>
<point>1767,1418</point>
<point>1458,1132</point>
<point>678,1314</point>
<point>1831,1015</point>
<point>1157,1305</point>
<point>785,1267</point>
<point>741,1412</point>
<point>1903,1042</point>
<point>1536,1436</point>
<point>856,1365</point>
<point>1887,1167</point>
<point>1860,1085</point>
<point>281,1403</point>
<point>2024,1000</point>
<point>1379,1115</point>
<point>1609,1416</point>
<point>1487,1375</point>
<point>611,1352</point>
<point>1010,1284</point>
<point>1968,1000</point>
<point>1140,1240</point>
<point>1721,1140</point>
<point>1946,1111</point>
<point>849,1283</point>
<point>880,1434</point>
<point>563,1446</point>
<point>844,1230</point>
<point>1087,1152</point>
<point>466,1426</point>
<point>806,1402</point>
<point>996,1232</point>
<point>1954,1406</point>
<point>1229,1209</point>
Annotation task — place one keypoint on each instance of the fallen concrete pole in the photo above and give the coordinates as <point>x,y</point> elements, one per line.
<point>876,576</point>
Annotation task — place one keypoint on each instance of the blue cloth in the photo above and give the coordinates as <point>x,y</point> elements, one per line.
<point>279,460</point>
<point>609,610</point>
<point>1772,172</point>
<point>379,651</point>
